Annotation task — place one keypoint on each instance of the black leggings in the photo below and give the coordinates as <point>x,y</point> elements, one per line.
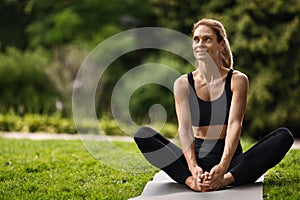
<point>245,167</point>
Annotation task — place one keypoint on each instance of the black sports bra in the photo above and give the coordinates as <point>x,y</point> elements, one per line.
<point>206,113</point>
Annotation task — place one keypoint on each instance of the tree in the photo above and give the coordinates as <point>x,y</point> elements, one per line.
<point>264,36</point>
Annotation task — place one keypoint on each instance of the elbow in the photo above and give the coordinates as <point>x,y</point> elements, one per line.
<point>185,133</point>
<point>234,126</point>
<point>181,131</point>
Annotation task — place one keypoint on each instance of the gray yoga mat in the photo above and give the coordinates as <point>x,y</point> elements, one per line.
<point>163,187</point>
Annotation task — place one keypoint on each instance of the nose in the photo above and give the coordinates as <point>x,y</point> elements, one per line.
<point>200,43</point>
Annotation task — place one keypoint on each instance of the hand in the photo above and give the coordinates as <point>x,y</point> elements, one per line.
<point>214,179</point>
<point>197,173</point>
<point>194,181</point>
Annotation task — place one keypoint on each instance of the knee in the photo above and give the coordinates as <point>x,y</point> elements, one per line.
<point>286,135</point>
<point>144,132</point>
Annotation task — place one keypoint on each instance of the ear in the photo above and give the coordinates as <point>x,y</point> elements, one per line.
<point>222,45</point>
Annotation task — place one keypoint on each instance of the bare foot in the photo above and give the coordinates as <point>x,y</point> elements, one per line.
<point>191,183</point>
<point>209,185</point>
<point>228,179</point>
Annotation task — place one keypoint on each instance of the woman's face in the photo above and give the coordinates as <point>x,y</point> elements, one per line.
<point>205,41</point>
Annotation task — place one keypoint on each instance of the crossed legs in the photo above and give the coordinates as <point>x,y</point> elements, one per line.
<point>245,168</point>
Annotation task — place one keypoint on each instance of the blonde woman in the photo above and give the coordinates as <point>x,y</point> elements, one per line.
<point>210,105</point>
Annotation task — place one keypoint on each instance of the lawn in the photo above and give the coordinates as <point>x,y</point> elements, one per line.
<point>65,170</point>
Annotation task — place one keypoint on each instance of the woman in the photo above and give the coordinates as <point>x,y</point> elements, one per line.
<point>210,105</point>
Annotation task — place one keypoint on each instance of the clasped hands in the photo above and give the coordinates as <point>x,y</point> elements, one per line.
<point>208,181</point>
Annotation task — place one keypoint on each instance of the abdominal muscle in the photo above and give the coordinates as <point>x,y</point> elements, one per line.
<point>210,132</point>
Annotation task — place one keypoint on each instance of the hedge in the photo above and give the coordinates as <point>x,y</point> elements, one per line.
<point>57,124</point>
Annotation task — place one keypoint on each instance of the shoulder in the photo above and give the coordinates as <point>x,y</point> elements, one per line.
<point>239,80</point>
<point>181,84</point>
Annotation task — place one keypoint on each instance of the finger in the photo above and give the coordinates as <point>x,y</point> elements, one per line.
<point>199,173</point>
<point>199,180</point>
<point>199,187</point>
<point>207,182</point>
<point>211,182</point>
<point>207,188</point>
<point>211,174</point>
<point>204,185</point>
<point>204,175</point>
<point>215,187</point>
<point>208,176</point>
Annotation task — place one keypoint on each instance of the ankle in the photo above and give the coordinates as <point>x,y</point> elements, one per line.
<point>228,179</point>
<point>190,182</point>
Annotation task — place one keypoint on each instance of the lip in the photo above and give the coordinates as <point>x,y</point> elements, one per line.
<point>200,49</point>
<point>203,51</point>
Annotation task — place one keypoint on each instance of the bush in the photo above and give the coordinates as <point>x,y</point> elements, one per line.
<point>24,86</point>
<point>57,124</point>
<point>36,123</point>
<point>169,130</point>
<point>110,127</point>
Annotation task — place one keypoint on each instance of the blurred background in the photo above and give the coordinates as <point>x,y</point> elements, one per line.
<point>43,43</point>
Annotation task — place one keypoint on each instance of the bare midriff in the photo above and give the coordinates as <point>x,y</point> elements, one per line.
<point>210,132</point>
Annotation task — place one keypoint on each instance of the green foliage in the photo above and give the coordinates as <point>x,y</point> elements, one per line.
<point>13,22</point>
<point>110,127</point>
<point>23,84</point>
<point>56,28</point>
<point>169,130</point>
<point>264,36</point>
<point>264,42</point>
<point>36,123</point>
<point>57,124</point>
<point>148,95</point>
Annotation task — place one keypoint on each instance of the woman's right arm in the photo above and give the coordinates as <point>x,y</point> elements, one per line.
<point>185,132</point>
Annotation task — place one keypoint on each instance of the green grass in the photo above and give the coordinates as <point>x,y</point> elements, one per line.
<point>283,180</point>
<point>65,170</point>
<point>62,170</point>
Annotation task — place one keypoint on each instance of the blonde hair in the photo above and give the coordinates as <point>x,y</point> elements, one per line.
<point>219,30</point>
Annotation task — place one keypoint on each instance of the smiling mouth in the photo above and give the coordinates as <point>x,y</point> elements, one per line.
<point>201,51</point>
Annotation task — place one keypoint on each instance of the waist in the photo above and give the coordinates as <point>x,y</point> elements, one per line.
<point>213,147</point>
<point>204,148</point>
<point>210,132</point>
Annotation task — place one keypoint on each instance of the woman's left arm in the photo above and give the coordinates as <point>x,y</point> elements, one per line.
<point>239,87</point>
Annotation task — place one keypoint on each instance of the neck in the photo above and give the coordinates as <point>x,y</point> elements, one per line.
<point>209,70</point>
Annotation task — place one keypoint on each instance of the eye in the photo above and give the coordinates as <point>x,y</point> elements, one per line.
<point>207,39</point>
<point>196,39</point>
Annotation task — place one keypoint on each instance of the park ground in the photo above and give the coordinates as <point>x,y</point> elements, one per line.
<point>46,136</point>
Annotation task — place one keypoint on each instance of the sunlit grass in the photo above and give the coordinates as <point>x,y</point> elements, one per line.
<point>62,170</point>
<point>283,180</point>
<point>66,170</point>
